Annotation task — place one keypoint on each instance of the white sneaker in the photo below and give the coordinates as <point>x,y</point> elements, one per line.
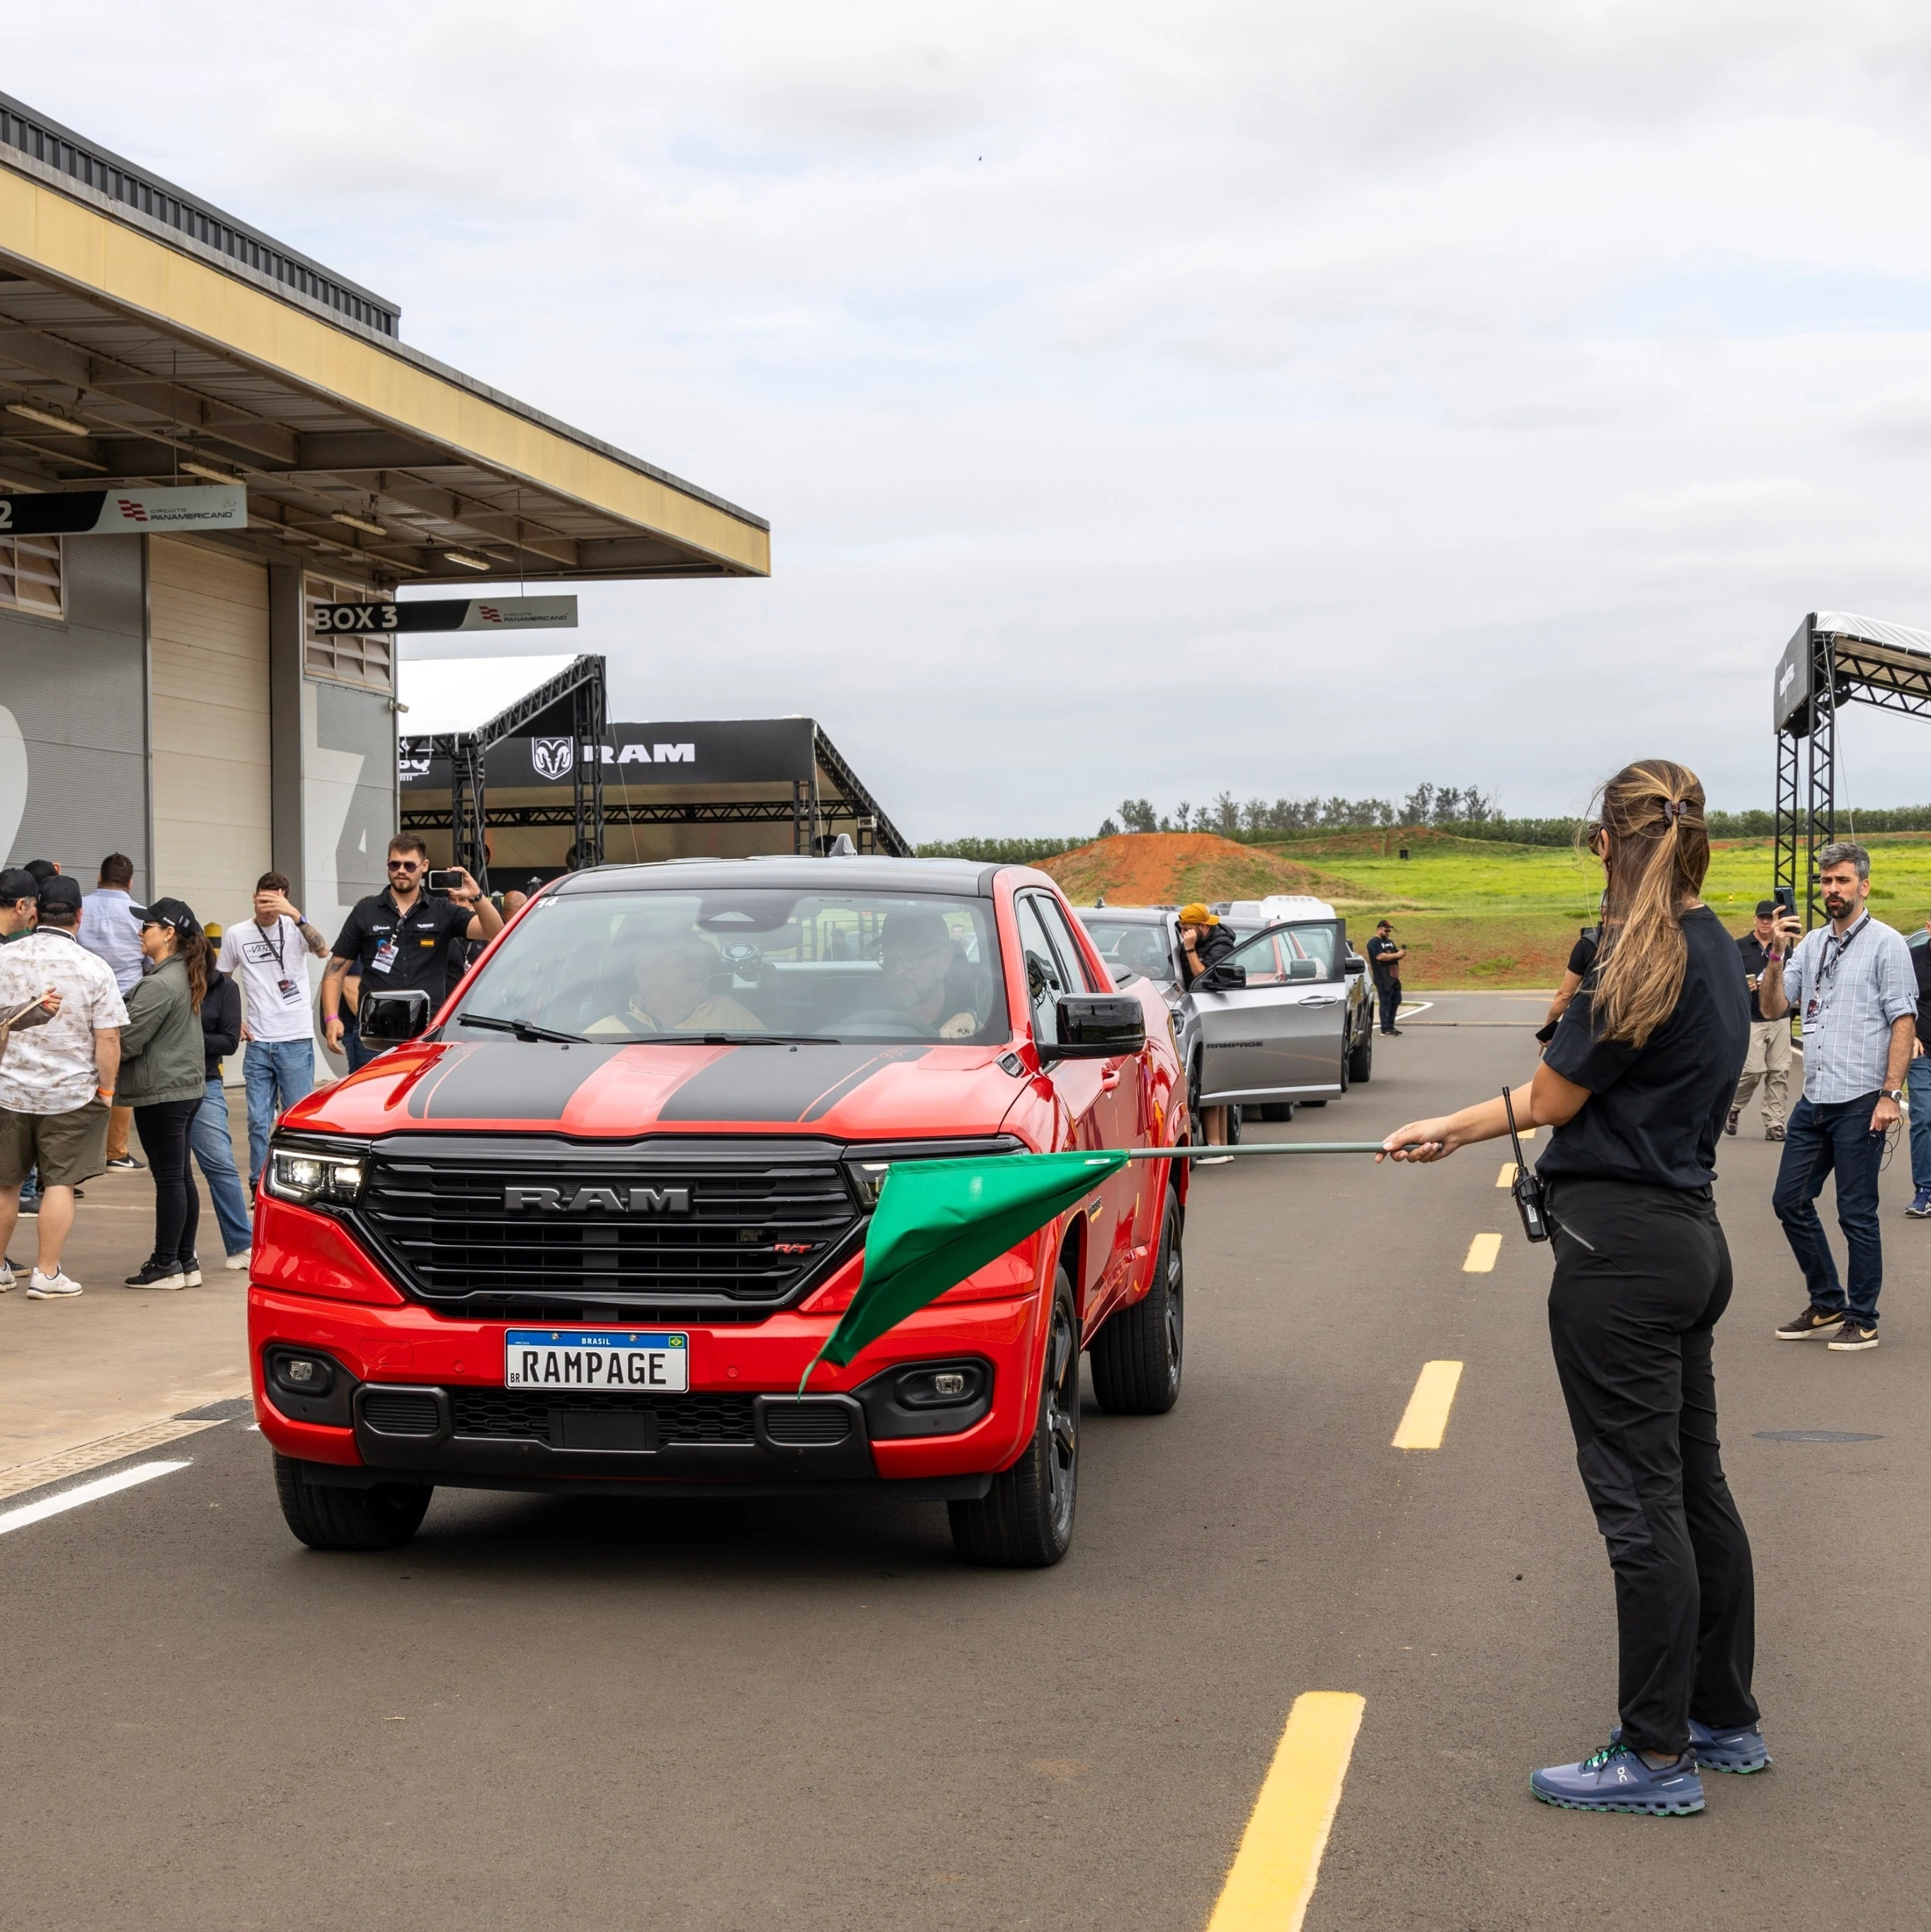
<point>6,1275</point>
<point>235,1261</point>
<point>50,1287</point>
<point>1212,1159</point>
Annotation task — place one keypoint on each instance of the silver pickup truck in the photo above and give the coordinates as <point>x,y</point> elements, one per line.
<point>1299,1029</point>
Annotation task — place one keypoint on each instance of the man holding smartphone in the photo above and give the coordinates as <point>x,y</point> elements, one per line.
<point>267,957</point>
<point>1852,983</point>
<point>403,937</point>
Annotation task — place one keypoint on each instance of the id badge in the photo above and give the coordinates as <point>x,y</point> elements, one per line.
<point>289,989</point>
<point>385,956</point>
<point>1811,1011</point>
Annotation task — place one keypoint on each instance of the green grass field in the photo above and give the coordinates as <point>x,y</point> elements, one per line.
<point>1477,914</point>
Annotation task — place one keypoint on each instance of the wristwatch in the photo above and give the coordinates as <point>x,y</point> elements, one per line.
<point>1895,1094</point>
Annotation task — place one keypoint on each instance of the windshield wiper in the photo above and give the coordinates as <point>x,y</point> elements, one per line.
<point>728,1040</point>
<point>522,1029</point>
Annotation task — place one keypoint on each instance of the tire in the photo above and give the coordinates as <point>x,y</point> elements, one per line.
<point>1136,1358</point>
<point>1347,1060</point>
<point>326,1518</point>
<point>1276,1110</point>
<point>1233,1126</point>
<point>1024,1520</point>
<point>1360,1061</point>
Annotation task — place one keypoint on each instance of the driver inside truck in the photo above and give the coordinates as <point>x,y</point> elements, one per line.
<point>676,977</point>
<point>925,976</point>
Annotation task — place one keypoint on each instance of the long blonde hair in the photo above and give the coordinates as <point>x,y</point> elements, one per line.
<point>1658,855</point>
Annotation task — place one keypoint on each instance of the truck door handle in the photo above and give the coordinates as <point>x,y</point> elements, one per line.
<point>1323,1000</point>
<point>1108,1081</point>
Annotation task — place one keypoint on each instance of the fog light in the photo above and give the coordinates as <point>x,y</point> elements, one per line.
<point>951,1383</point>
<point>299,1371</point>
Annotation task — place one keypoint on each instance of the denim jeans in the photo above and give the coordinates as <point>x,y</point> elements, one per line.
<point>1388,997</point>
<point>214,1152</point>
<point>1917,1098</point>
<point>1819,1140</point>
<point>277,1073</point>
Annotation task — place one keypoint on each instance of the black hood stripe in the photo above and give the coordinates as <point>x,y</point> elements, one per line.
<point>534,1082</point>
<point>775,1083</point>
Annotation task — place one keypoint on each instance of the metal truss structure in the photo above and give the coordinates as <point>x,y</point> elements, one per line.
<point>1834,659</point>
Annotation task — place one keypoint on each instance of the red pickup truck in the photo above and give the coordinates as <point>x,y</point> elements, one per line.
<point>583,1232</point>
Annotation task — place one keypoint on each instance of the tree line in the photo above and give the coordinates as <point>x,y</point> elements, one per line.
<point>1255,822</point>
<point>1426,805</point>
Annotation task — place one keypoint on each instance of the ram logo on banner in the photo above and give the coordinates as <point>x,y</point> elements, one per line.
<point>552,757</point>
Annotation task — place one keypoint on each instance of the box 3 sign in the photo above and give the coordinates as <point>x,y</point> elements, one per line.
<point>449,614</point>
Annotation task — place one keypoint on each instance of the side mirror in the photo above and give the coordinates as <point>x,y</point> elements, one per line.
<point>391,1014</point>
<point>1356,966</point>
<point>1096,1026</point>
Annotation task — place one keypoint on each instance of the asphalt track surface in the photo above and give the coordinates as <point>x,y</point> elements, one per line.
<point>548,1714</point>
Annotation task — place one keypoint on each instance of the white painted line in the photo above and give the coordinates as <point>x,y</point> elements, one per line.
<point>1412,1006</point>
<point>97,1454</point>
<point>87,1493</point>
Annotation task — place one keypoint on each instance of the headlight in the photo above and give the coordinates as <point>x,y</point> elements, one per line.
<point>295,1173</point>
<point>868,1166</point>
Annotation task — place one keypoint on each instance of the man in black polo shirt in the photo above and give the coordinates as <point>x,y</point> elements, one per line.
<point>403,938</point>
<point>1768,1064</point>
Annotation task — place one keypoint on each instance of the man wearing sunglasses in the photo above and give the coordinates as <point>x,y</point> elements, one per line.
<point>402,937</point>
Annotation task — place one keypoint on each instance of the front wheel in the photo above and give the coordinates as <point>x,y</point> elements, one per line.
<point>327,1518</point>
<point>1136,1356</point>
<point>1024,1520</point>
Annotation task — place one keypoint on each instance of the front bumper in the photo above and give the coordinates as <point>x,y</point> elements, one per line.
<point>439,1383</point>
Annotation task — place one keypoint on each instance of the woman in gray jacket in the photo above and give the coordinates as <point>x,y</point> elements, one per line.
<point>163,1080</point>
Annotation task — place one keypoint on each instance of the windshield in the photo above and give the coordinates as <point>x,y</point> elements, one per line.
<point>1131,946</point>
<point>744,964</point>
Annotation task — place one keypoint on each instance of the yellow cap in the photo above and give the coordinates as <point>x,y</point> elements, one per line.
<point>1197,914</point>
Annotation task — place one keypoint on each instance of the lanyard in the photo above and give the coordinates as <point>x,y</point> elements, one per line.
<point>1834,950</point>
<point>275,944</point>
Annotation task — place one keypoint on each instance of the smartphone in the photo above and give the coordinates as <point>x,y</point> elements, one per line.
<point>445,878</point>
<point>1786,897</point>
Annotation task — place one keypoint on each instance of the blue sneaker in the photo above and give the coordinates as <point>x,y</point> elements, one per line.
<point>1617,1779</point>
<point>1742,1750</point>
<point>1920,1209</point>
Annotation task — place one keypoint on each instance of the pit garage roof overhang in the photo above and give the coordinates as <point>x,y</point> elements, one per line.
<point>171,335</point>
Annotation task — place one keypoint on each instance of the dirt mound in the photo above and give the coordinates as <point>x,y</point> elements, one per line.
<point>1172,867</point>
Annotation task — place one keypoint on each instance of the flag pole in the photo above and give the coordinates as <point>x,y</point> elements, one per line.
<point>1201,1150</point>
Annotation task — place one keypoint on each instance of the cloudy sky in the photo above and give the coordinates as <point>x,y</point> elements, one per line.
<point>1284,398</point>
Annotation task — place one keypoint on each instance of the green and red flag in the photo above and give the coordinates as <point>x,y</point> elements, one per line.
<point>937,1220</point>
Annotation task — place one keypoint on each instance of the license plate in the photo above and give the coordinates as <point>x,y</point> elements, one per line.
<point>596,1358</point>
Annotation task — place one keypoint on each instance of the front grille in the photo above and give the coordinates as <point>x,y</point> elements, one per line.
<point>520,1415</point>
<point>399,1411</point>
<point>807,1425</point>
<point>761,1223</point>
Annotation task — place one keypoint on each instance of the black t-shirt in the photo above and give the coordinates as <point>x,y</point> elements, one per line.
<point>1920,961</point>
<point>1582,954</point>
<point>389,949</point>
<point>1653,1113</point>
<point>1750,948</point>
<point>1378,951</point>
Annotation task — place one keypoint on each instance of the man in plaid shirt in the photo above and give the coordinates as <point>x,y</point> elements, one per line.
<point>1853,982</point>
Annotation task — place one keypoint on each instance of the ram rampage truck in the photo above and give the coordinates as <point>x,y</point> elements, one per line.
<point>581,1230</point>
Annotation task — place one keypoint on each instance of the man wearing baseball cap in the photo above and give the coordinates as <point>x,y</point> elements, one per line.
<point>1768,1063</point>
<point>57,1081</point>
<point>1383,957</point>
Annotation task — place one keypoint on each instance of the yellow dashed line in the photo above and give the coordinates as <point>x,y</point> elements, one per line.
<point>1280,1856</point>
<point>1480,1259</point>
<point>1526,1134</point>
<point>1425,1419</point>
<point>1506,1178</point>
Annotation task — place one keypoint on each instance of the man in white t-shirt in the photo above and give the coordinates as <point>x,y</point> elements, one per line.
<point>270,954</point>
<point>57,1083</point>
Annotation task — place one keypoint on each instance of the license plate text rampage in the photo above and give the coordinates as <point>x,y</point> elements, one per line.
<point>583,1358</point>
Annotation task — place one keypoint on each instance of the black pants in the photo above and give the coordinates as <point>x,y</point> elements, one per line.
<point>1388,993</point>
<point>164,1130</point>
<point>1631,1325</point>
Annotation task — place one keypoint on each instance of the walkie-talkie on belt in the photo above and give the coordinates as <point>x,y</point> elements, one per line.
<point>1527,1187</point>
